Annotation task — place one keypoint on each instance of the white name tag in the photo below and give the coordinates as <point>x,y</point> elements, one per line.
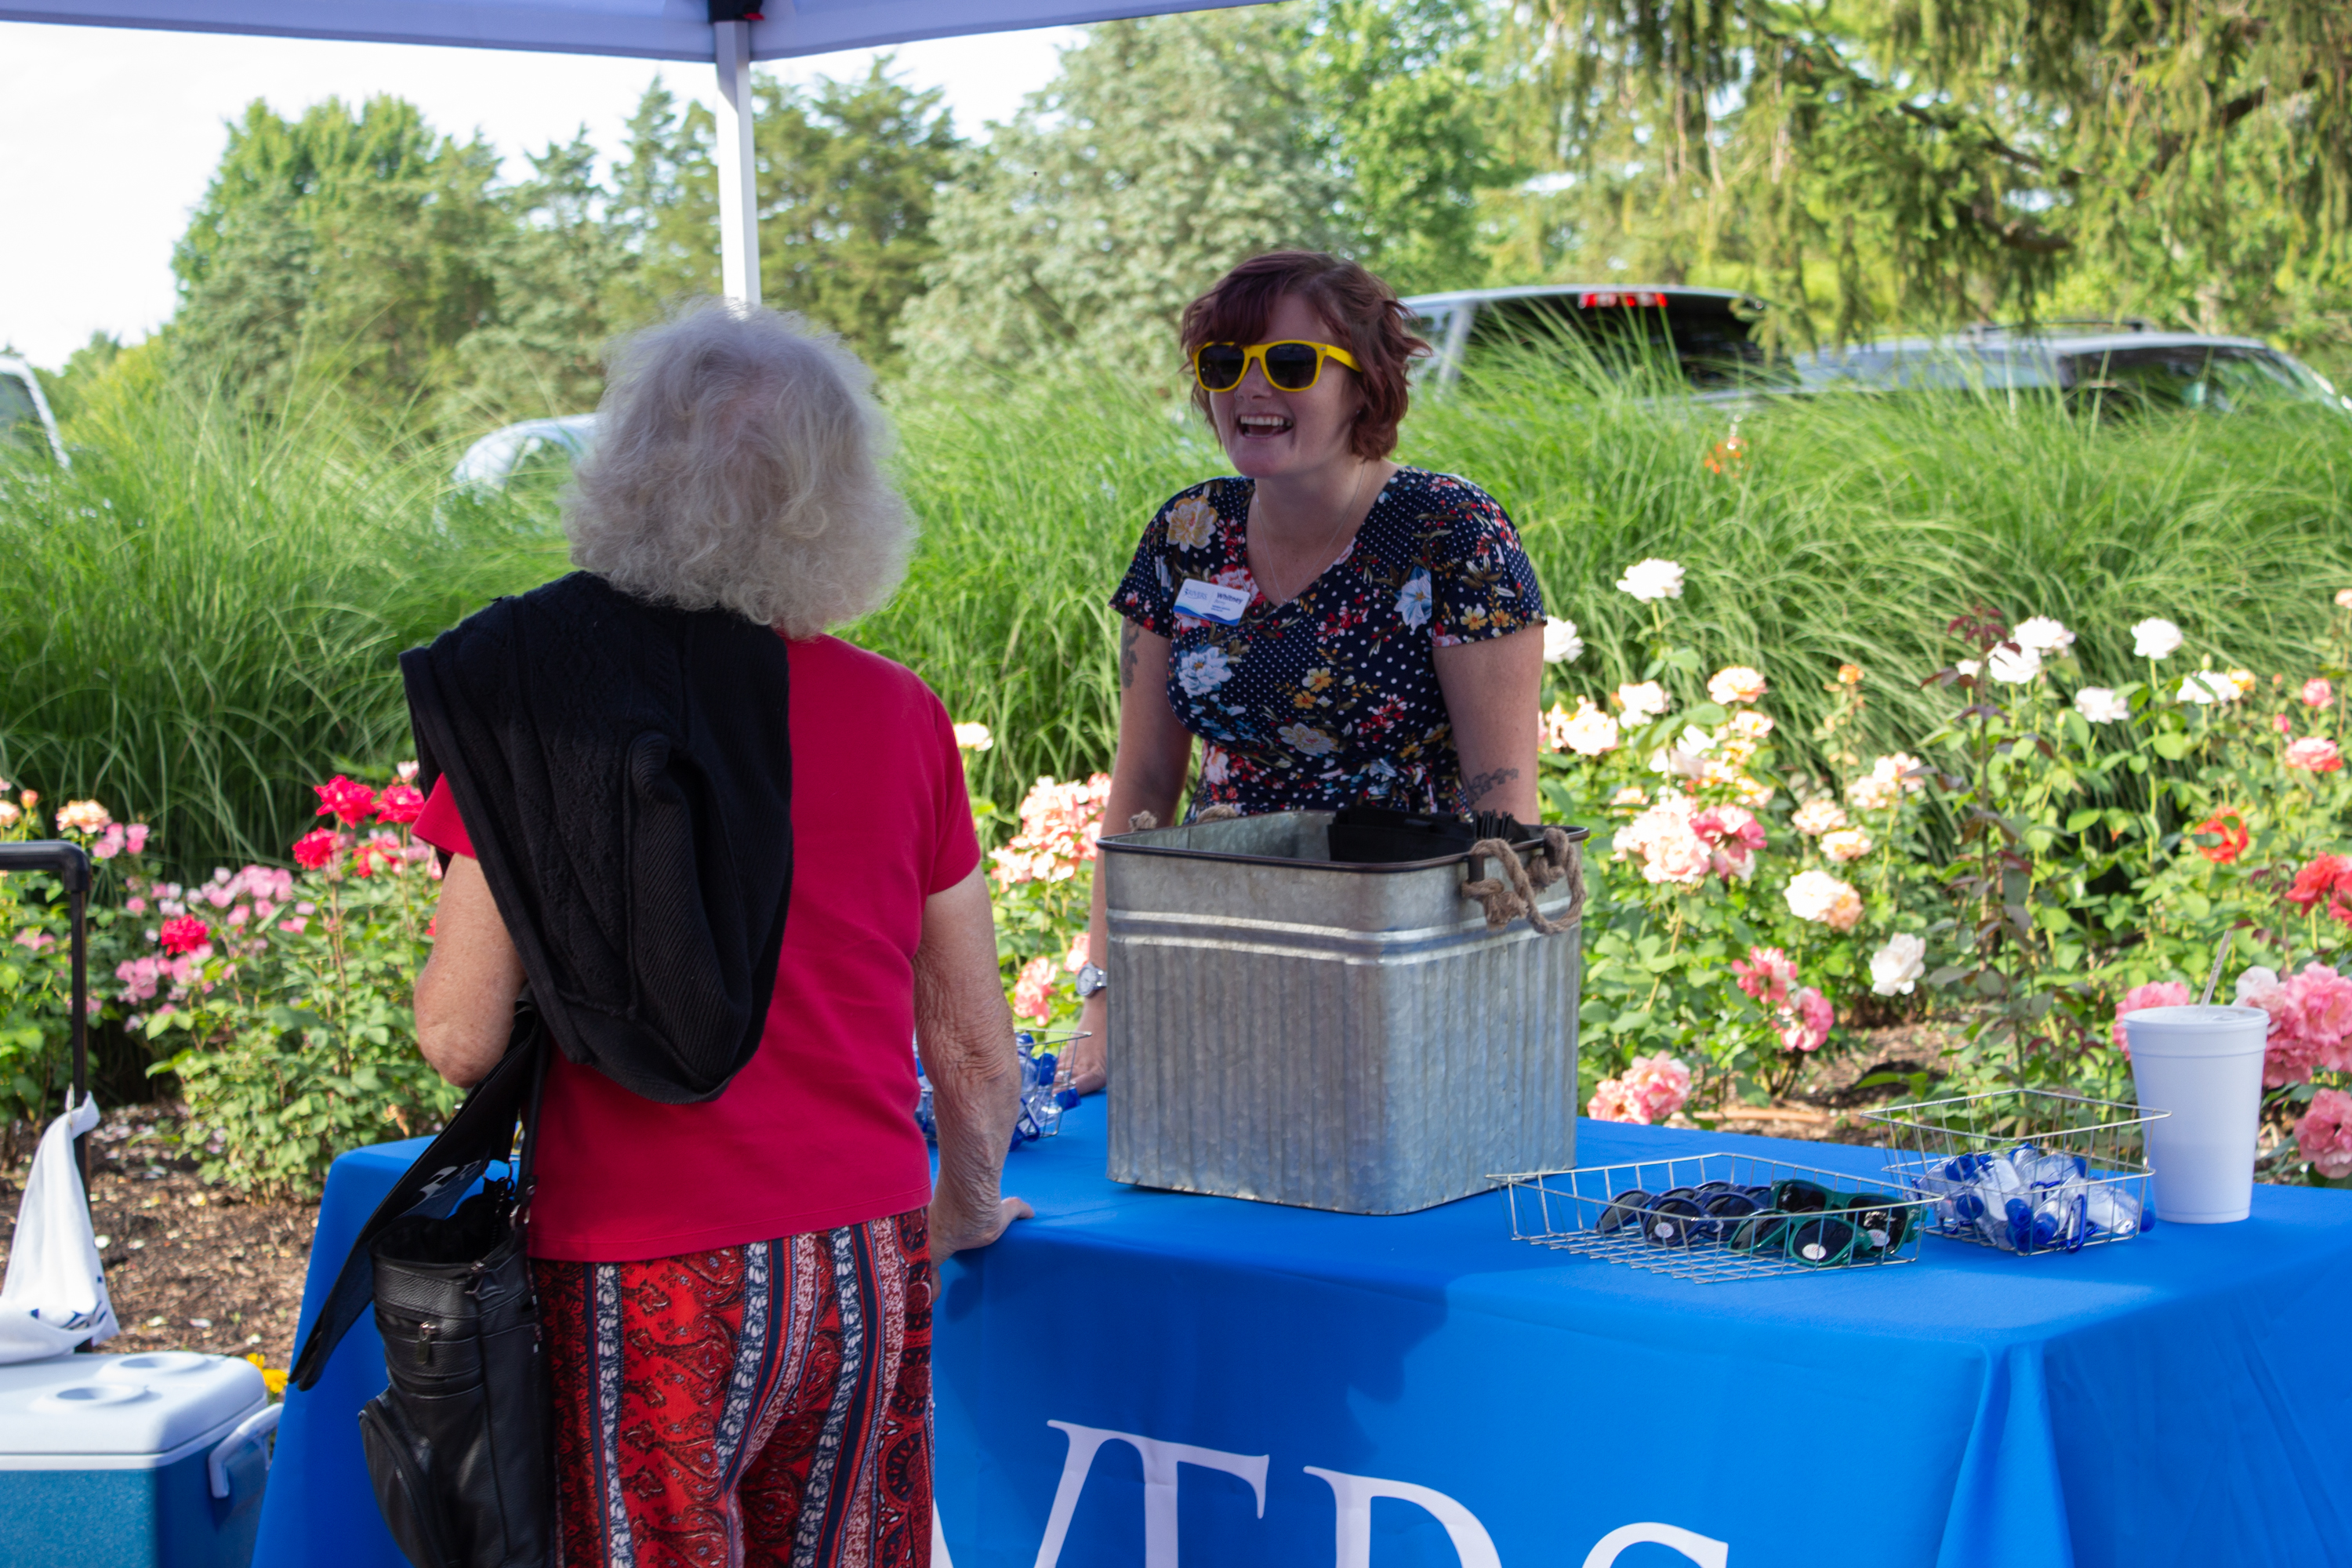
<point>1212,602</point>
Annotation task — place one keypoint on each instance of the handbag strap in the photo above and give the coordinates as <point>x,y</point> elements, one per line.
<point>525,1182</point>
<point>479,1131</point>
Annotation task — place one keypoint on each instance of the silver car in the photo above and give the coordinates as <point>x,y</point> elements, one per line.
<point>2119,369</point>
<point>26,424</point>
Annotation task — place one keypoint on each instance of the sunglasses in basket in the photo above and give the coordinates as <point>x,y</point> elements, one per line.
<point>1293,365</point>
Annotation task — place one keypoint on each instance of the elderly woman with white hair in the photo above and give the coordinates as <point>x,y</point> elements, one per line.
<point>734,1261</point>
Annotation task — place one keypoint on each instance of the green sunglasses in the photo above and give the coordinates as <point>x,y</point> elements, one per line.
<point>1291,365</point>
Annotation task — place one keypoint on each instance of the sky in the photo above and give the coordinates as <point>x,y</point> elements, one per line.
<point>109,137</point>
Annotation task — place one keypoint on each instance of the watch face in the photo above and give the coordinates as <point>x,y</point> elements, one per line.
<point>1090,980</point>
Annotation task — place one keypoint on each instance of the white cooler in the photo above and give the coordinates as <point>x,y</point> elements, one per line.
<point>128,1461</point>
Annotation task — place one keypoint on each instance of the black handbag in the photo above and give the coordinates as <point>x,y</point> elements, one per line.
<point>459,1445</point>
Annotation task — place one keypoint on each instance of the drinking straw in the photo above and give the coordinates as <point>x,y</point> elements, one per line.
<point>2220,957</point>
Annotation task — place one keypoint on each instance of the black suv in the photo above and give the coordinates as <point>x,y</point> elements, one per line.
<point>1711,335</point>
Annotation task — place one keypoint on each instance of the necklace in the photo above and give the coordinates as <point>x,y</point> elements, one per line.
<point>1330,541</point>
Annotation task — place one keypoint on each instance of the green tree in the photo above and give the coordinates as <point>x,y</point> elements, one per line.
<point>1166,150</point>
<point>1910,161</point>
<point>1404,119</point>
<point>849,171</point>
<point>666,204</point>
<point>353,241</point>
<point>558,267</point>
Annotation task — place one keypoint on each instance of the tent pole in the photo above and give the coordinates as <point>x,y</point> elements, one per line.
<point>739,195</point>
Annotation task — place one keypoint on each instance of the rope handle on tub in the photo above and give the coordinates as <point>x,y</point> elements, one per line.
<point>1512,893</point>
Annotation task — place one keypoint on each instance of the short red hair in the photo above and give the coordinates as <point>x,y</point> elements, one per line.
<point>1361,312</point>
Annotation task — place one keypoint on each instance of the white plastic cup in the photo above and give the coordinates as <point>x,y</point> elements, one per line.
<point>2204,1065</point>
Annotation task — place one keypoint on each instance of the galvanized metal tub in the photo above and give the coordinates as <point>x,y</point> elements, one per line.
<point>1294,1030</point>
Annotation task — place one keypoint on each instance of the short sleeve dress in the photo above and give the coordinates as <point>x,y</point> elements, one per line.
<point>1332,698</point>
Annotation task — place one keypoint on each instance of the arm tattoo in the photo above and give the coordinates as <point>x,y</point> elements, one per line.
<point>1127,635</point>
<point>1474,790</point>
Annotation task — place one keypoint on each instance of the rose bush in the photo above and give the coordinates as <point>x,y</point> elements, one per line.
<point>2055,852</point>
<point>281,999</point>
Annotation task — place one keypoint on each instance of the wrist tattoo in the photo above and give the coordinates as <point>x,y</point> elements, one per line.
<point>1474,790</point>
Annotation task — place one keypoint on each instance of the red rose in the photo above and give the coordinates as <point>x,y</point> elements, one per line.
<point>400,803</point>
<point>2328,878</point>
<point>315,848</point>
<point>346,800</point>
<point>2232,829</point>
<point>185,933</point>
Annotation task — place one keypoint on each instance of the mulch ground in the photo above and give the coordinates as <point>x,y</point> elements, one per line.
<point>187,1266</point>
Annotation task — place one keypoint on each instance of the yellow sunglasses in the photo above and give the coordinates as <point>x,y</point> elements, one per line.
<point>1292,365</point>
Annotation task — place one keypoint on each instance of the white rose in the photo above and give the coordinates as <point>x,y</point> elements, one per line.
<point>1846,844</point>
<point>2042,634</point>
<point>1562,645</point>
<point>1899,965</point>
<point>1591,733</point>
<point>2100,706</point>
<point>974,738</point>
<point>1647,700</point>
<point>1968,666</point>
<point>2012,666</point>
<point>1652,580</point>
<point>1818,816</point>
<point>2207,686</point>
<point>1819,897</point>
<point>2155,638</point>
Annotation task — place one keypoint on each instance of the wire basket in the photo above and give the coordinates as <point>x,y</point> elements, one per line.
<point>1045,1091</point>
<point>2025,1170</point>
<point>1713,1218</point>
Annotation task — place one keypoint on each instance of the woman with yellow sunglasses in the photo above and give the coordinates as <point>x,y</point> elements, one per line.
<point>1334,628</point>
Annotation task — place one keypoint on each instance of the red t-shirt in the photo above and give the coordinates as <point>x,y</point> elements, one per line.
<point>818,1130</point>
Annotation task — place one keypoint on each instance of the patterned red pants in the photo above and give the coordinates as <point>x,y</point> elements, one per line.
<point>760,1404</point>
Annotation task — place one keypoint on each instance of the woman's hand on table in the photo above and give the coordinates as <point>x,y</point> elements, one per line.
<point>953,1231</point>
<point>1090,1063</point>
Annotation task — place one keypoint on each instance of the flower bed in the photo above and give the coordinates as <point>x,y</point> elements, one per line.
<point>280,999</point>
<point>2054,854</point>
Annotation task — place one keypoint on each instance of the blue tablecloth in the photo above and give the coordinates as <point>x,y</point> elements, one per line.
<point>1135,1370</point>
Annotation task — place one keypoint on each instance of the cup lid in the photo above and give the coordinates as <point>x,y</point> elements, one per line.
<point>2192,1016</point>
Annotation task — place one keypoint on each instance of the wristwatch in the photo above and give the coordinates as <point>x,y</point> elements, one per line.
<point>1090,981</point>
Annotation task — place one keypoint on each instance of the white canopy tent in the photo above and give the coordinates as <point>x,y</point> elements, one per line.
<point>730,33</point>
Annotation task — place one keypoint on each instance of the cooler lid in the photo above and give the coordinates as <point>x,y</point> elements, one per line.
<point>150,1403</point>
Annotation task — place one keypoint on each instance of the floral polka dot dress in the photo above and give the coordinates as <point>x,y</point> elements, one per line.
<point>1331,699</point>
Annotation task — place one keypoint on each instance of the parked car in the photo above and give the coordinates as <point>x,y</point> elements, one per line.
<point>26,424</point>
<point>2107,368</point>
<point>493,459</point>
<point>1711,335</point>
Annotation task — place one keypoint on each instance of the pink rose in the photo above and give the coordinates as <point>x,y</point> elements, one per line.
<point>1659,1085</point>
<point>2318,693</point>
<point>2325,1133</point>
<point>2157,994</point>
<point>1766,975</point>
<point>135,838</point>
<point>1730,825</point>
<point>1033,993</point>
<point>1611,1102</point>
<point>1805,1021</point>
<point>2315,754</point>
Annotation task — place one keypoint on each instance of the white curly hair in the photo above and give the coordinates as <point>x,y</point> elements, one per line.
<point>738,463</point>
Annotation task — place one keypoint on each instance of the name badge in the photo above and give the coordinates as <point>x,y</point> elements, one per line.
<point>1212,602</point>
